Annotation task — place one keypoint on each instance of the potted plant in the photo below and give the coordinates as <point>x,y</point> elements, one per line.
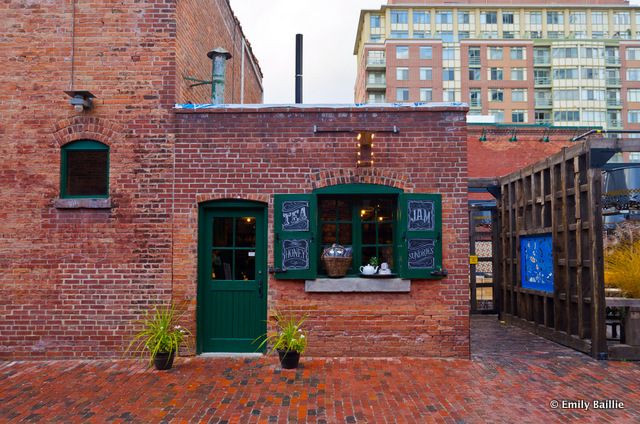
<point>290,340</point>
<point>161,336</point>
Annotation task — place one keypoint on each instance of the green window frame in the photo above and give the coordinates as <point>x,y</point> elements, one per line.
<point>71,173</point>
<point>416,230</point>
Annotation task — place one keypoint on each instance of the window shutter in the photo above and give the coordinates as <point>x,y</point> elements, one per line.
<point>294,226</point>
<point>420,242</point>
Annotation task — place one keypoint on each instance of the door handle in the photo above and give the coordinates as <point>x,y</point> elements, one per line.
<point>260,287</point>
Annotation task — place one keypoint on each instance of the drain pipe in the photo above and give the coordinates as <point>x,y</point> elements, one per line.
<point>219,58</point>
<point>298,68</point>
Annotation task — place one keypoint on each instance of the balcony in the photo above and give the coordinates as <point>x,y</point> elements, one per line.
<point>613,81</point>
<point>541,61</point>
<point>476,104</point>
<point>612,61</point>
<point>614,103</point>
<point>542,81</point>
<point>546,121</point>
<point>543,103</point>
<point>614,124</point>
<point>474,61</point>
<point>376,63</point>
<point>377,84</point>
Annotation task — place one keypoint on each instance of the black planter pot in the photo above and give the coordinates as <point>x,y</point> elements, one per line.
<point>289,359</point>
<point>164,360</point>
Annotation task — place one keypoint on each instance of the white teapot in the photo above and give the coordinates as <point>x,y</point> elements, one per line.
<point>368,270</point>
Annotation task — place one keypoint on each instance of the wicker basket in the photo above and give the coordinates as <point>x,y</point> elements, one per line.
<point>337,266</point>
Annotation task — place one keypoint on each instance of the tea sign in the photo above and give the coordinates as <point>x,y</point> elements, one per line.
<point>420,215</point>
<point>295,216</point>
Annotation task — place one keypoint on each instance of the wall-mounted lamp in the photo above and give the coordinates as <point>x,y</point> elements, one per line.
<point>483,136</point>
<point>81,100</point>
<point>365,149</point>
<point>514,136</point>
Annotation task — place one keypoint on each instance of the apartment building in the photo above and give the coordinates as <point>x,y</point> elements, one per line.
<point>527,62</point>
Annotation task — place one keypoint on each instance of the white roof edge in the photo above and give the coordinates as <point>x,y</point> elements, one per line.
<point>421,105</point>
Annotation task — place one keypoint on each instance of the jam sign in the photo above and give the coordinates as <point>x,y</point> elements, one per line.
<point>420,253</point>
<point>295,216</point>
<point>420,215</point>
<point>295,254</point>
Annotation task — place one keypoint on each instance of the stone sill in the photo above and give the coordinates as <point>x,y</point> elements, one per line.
<point>87,203</point>
<point>357,285</point>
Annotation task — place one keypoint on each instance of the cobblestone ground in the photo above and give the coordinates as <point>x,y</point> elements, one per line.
<point>513,377</point>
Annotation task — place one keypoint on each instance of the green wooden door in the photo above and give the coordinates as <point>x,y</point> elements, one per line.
<point>232,285</point>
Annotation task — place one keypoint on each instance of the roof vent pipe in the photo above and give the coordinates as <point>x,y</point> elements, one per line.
<point>219,56</point>
<point>298,68</point>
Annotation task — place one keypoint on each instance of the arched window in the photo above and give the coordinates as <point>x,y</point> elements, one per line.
<point>84,170</point>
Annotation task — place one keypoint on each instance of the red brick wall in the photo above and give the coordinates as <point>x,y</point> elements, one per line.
<point>204,25</point>
<point>71,280</point>
<point>252,154</point>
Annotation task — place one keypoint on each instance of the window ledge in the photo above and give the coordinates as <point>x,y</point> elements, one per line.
<point>357,285</point>
<point>86,203</point>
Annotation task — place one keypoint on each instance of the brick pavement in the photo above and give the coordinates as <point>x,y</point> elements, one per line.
<point>512,377</point>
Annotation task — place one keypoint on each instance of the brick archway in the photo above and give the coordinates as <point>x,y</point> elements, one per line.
<point>380,176</point>
<point>85,127</point>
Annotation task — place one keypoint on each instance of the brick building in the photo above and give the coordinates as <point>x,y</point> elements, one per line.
<point>110,209</point>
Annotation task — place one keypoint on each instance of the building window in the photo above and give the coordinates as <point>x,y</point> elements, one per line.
<point>421,18</point>
<point>399,34</point>
<point>535,18</point>
<point>448,74</point>
<point>448,95</point>
<point>621,18</point>
<point>444,17</point>
<point>426,52</point>
<point>376,78</point>
<point>633,116</point>
<point>448,53</point>
<point>633,53</point>
<point>593,115</point>
<point>426,95</point>
<point>516,53</point>
<point>633,74</point>
<point>402,52</point>
<point>598,34</point>
<point>495,53</point>
<point>555,18</point>
<point>508,18</point>
<point>463,18</point>
<point>376,98</point>
<point>565,95</point>
<point>566,116</point>
<point>426,74</point>
<point>495,74</point>
<point>474,74</point>
<point>474,55</point>
<point>519,116</point>
<point>598,18</point>
<point>578,18</point>
<point>591,53</point>
<point>497,114</point>
<point>375,57</point>
<point>402,94</point>
<point>565,73</point>
<point>84,169</point>
<point>463,35</point>
<point>565,52</point>
<point>375,21</point>
<point>592,73</point>
<point>445,36</point>
<point>518,74</point>
<point>633,95</point>
<point>475,99</point>
<point>489,18</point>
<point>518,95</point>
<point>535,34</point>
<point>399,17</point>
<point>593,95</point>
<point>508,34</point>
<point>402,74</point>
<point>496,95</point>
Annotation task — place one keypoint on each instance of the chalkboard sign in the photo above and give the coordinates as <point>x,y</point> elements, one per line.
<point>295,215</point>
<point>536,258</point>
<point>421,253</point>
<point>295,254</point>
<point>420,215</point>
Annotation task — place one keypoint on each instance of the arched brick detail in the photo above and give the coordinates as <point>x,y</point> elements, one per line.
<point>85,127</point>
<point>206,197</point>
<point>387,177</point>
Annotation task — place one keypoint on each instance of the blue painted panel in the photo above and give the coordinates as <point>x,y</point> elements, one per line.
<point>536,262</point>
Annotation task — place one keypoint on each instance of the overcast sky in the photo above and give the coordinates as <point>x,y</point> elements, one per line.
<point>329,28</point>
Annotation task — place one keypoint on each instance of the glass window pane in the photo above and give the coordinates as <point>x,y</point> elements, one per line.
<point>344,210</point>
<point>223,232</point>
<point>344,235</point>
<point>221,264</point>
<point>368,233</point>
<point>367,254</point>
<point>385,209</point>
<point>86,172</point>
<point>246,232</point>
<point>386,255</point>
<point>327,209</point>
<point>385,233</point>
<point>245,265</point>
<point>329,235</point>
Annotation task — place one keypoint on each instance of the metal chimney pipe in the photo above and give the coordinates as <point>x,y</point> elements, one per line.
<point>219,56</point>
<point>298,68</point>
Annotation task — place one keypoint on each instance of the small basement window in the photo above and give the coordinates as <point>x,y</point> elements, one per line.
<point>84,170</point>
